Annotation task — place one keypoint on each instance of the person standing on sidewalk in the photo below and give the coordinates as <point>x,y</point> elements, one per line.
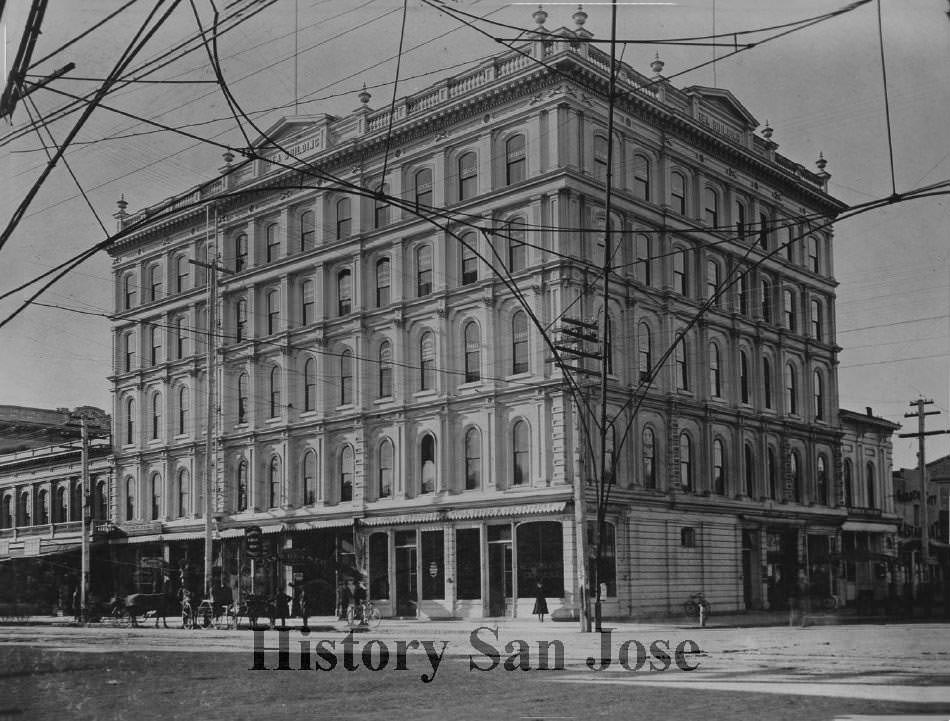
<point>540,604</point>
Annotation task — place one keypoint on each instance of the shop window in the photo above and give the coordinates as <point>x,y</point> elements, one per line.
<point>540,558</point>
<point>433,564</point>
<point>379,566</point>
<point>688,537</point>
<point>468,569</point>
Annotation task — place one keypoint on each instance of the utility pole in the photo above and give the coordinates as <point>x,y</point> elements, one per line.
<point>919,414</point>
<point>86,519</point>
<point>578,333</point>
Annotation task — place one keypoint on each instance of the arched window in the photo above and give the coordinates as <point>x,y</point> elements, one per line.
<point>644,352</point>
<point>473,352</point>
<point>307,300</point>
<point>788,309</point>
<point>467,176</point>
<point>242,398</point>
<point>100,510</point>
<point>310,385</point>
<point>129,498</point>
<point>819,396</point>
<point>468,244</point>
<point>42,508</point>
<point>273,242</point>
<point>795,473</point>
<point>156,354</point>
<point>765,288</point>
<point>678,192</point>
<point>870,482</point>
<point>274,496</point>
<point>346,475</point>
<point>346,377</point>
<point>184,408</point>
<point>681,272</point>
<point>129,291</point>
<point>719,469</point>
<point>791,389</point>
<point>764,231</point>
<point>274,392</point>
<point>273,312</point>
<point>644,266</point>
<point>240,253</point>
<point>343,291</point>
<point>427,362</point>
<point>385,370</point>
<point>711,208</point>
<point>128,346</point>
<point>600,157</point>
<point>181,273</point>
<point>154,282</point>
<point>713,279</point>
<point>156,415</point>
<point>715,372</point>
<point>343,219</point>
<point>59,506</point>
<point>130,420</point>
<point>181,337</point>
<point>184,494</point>
<point>517,251</point>
<point>381,207</point>
<point>682,365</point>
<point>309,496</point>
<point>767,383</point>
<point>383,282</point>
<point>749,458</point>
<point>240,320</point>
<point>816,324</point>
<point>519,342</point>
<point>742,292</point>
<point>744,380</point>
<point>422,183</point>
<point>423,270</point>
<point>155,493</point>
<point>307,230</point>
<point>814,259</point>
<point>739,213</point>
<point>686,462</point>
<point>515,159</point>
<point>847,475</point>
<point>648,458</point>
<point>473,459</point>
<point>385,487</point>
<point>772,472</point>
<point>242,487</point>
<point>519,453</point>
<point>75,500</point>
<point>821,482</point>
<point>6,517</point>
<point>427,463</point>
<point>641,177</point>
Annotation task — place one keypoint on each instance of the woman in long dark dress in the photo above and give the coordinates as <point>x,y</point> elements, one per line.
<point>540,604</point>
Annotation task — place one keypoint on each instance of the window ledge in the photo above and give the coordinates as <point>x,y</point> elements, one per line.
<point>428,393</point>
<point>384,400</point>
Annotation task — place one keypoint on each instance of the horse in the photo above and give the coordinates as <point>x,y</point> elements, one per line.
<point>142,603</point>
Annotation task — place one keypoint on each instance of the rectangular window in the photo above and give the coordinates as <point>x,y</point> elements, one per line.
<point>608,556</point>
<point>469,265</point>
<point>307,303</point>
<point>379,566</point>
<point>468,176</point>
<point>468,570</point>
<point>433,565</point>
<point>424,270</point>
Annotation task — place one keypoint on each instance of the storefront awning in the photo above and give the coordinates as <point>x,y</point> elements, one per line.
<point>772,521</point>
<point>321,523</point>
<point>868,527</point>
<point>526,509</point>
<point>402,519</point>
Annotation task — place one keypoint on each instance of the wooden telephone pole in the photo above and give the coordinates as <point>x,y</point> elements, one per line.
<point>919,414</point>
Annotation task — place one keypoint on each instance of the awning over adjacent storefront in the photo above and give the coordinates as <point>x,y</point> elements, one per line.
<point>321,523</point>
<point>402,519</point>
<point>868,527</point>
<point>527,509</point>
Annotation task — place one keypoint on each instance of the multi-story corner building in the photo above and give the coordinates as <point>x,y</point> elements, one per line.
<point>910,507</point>
<point>41,505</point>
<point>386,400</point>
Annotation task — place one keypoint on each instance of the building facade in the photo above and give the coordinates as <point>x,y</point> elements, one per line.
<point>386,402</point>
<point>909,505</point>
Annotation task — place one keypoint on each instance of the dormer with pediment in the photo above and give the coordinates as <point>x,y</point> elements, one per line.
<point>301,135</point>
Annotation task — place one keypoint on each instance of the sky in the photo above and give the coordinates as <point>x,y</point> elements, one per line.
<point>820,89</point>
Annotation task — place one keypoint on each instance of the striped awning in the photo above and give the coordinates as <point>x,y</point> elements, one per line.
<point>525,509</point>
<point>318,523</point>
<point>869,527</point>
<point>401,519</point>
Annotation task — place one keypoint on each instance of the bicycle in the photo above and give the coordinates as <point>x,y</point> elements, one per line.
<point>363,614</point>
<point>691,607</point>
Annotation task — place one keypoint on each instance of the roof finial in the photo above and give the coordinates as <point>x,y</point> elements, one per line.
<point>580,17</point>
<point>821,162</point>
<point>657,64</point>
<point>767,131</point>
<point>364,95</point>
<point>539,16</point>
<point>122,203</point>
